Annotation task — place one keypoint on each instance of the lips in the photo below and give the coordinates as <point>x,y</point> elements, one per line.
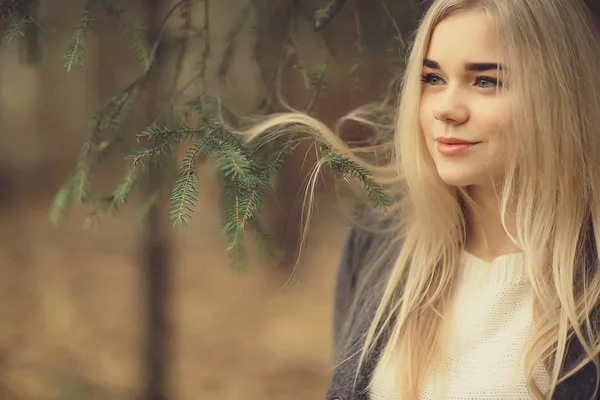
<point>455,141</point>
<point>453,146</point>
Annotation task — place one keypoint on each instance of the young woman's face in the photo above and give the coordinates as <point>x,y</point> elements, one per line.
<point>461,113</point>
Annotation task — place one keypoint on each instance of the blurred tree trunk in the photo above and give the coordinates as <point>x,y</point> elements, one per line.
<point>156,250</point>
<point>361,30</point>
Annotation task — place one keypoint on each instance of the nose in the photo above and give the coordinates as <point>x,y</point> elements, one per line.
<point>451,111</point>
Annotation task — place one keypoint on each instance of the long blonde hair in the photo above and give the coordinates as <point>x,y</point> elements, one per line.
<point>553,52</point>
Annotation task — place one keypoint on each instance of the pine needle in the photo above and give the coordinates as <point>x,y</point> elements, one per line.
<point>185,191</point>
<point>15,28</point>
<point>60,203</point>
<point>347,169</point>
<point>76,48</point>
<point>133,30</point>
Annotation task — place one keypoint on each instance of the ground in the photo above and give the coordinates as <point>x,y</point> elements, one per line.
<point>71,312</point>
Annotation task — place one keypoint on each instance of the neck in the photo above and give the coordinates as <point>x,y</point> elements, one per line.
<point>486,236</point>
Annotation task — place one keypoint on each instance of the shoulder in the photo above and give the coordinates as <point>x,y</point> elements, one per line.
<point>363,243</point>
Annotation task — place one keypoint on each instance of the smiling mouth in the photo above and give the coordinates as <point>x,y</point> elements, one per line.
<point>454,147</point>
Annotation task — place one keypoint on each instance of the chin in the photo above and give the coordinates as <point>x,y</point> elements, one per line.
<point>456,178</point>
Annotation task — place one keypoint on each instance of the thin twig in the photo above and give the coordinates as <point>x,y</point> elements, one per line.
<point>161,33</point>
<point>207,51</point>
<point>387,12</point>
<point>301,64</point>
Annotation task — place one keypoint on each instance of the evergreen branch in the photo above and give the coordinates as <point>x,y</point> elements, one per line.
<point>317,84</point>
<point>111,115</point>
<point>159,136</point>
<point>29,46</point>
<point>80,182</point>
<point>234,232</point>
<point>142,162</point>
<point>300,67</point>
<point>267,246</point>
<point>133,29</point>
<point>7,7</point>
<point>108,118</point>
<point>347,169</point>
<point>76,48</point>
<point>231,162</point>
<point>209,109</point>
<point>185,191</point>
<point>212,123</point>
<point>242,203</point>
<point>124,190</point>
<point>227,59</point>
<point>275,162</point>
<point>324,15</point>
<point>60,203</point>
<point>15,28</point>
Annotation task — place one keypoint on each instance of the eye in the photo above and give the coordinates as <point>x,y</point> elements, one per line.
<point>485,82</point>
<point>432,79</point>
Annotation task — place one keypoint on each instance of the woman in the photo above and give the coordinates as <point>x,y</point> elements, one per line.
<point>494,290</point>
<point>482,281</point>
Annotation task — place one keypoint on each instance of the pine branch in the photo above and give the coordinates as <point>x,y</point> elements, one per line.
<point>15,28</point>
<point>267,247</point>
<point>347,169</point>
<point>111,116</point>
<point>325,14</point>
<point>80,182</point>
<point>60,203</point>
<point>317,84</point>
<point>76,48</point>
<point>7,7</point>
<point>124,190</point>
<point>185,191</point>
<point>241,203</point>
<point>276,162</point>
<point>162,138</point>
<point>232,162</point>
<point>210,109</point>
<point>227,59</point>
<point>133,29</point>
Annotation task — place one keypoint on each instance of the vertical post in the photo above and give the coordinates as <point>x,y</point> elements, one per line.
<point>155,247</point>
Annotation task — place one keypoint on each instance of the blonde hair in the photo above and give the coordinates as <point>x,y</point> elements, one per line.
<point>553,52</point>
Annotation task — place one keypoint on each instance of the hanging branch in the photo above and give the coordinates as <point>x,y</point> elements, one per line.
<point>206,52</point>
<point>389,15</point>
<point>186,26</point>
<point>7,7</point>
<point>245,171</point>
<point>133,29</point>
<point>232,36</point>
<point>324,15</point>
<point>76,48</point>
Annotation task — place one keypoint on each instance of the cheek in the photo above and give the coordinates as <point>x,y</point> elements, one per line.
<point>495,126</point>
<point>425,115</point>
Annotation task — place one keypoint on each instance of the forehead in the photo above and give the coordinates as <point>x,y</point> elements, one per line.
<point>467,36</point>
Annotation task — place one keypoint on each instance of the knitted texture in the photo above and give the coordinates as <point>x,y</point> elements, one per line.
<point>485,336</point>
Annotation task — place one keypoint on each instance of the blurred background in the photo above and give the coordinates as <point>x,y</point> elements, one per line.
<point>76,320</point>
<point>128,307</point>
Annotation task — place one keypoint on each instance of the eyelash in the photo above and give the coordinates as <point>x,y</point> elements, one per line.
<point>426,78</point>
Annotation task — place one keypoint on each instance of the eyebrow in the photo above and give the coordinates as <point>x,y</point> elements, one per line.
<point>478,67</point>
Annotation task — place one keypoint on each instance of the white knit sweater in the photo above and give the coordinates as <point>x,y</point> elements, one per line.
<point>487,330</point>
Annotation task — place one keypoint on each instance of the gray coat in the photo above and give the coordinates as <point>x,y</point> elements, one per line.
<point>357,250</point>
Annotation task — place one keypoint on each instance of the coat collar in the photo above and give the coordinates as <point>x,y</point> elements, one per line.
<point>345,385</point>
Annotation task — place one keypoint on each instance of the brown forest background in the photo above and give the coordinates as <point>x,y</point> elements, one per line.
<point>72,305</point>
